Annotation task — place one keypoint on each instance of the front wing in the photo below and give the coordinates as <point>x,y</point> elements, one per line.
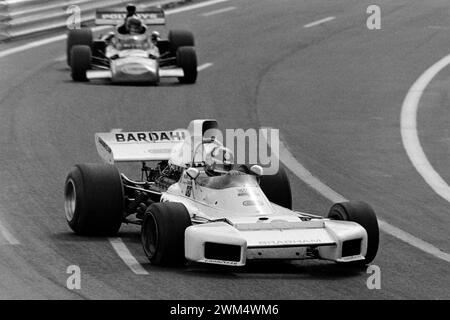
<point>107,74</point>
<point>222,243</point>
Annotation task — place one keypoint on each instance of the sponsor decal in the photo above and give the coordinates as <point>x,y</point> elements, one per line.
<point>113,16</point>
<point>221,261</point>
<point>159,150</point>
<point>242,192</point>
<point>288,242</point>
<point>141,15</point>
<point>156,136</point>
<point>350,258</point>
<point>188,191</point>
<point>249,203</point>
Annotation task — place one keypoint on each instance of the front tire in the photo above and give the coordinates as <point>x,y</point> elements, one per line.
<point>75,37</point>
<point>93,200</point>
<point>277,188</point>
<point>180,38</point>
<point>187,60</point>
<point>162,233</point>
<point>81,62</point>
<point>363,214</point>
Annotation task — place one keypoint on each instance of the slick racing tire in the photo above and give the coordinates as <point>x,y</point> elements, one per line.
<point>81,62</point>
<point>187,60</point>
<point>93,199</point>
<point>180,38</point>
<point>361,213</point>
<point>277,188</point>
<point>162,233</point>
<point>75,37</point>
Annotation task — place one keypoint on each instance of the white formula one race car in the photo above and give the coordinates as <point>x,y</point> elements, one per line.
<point>132,53</point>
<point>195,204</point>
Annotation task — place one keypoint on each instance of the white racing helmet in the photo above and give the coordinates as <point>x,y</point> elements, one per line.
<point>219,161</point>
<point>134,25</point>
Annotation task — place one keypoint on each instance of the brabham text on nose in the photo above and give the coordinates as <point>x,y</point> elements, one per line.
<point>288,242</point>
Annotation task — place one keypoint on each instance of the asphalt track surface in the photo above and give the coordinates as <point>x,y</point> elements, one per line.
<point>335,90</point>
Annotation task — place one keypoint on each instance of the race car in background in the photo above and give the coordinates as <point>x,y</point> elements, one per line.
<point>225,217</point>
<point>123,57</point>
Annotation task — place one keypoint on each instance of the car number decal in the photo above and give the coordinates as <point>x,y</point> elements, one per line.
<point>188,191</point>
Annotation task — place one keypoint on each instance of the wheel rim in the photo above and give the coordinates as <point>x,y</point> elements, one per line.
<point>70,200</point>
<point>150,236</point>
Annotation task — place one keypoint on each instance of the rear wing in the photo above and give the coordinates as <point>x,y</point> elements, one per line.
<point>115,16</point>
<point>138,146</point>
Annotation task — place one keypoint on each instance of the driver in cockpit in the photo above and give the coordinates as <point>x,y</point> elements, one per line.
<point>134,26</point>
<point>220,161</point>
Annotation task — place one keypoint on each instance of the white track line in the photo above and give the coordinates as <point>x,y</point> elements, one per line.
<point>410,137</point>
<point>45,41</point>
<point>316,23</point>
<point>212,13</point>
<point>125,254</point>
<point>414,241</point>
<point>204,66</point>
<point>7,235</point>
<point>195,6</point>
<point>303,174</point>
<point>31,45</point>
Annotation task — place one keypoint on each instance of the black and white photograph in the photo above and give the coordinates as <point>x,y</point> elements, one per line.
<point>224,158</point>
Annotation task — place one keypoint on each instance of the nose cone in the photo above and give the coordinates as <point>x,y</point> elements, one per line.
<point>136,70</point>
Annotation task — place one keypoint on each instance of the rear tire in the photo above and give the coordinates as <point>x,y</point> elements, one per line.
<point>93,197</point>
<point>75,37</point>
<point>162,233</point>
<point>81,62</point>
<point>277,188</point>
<point>187,60</point>
<point>180,38</point>
<point>361,213</point>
